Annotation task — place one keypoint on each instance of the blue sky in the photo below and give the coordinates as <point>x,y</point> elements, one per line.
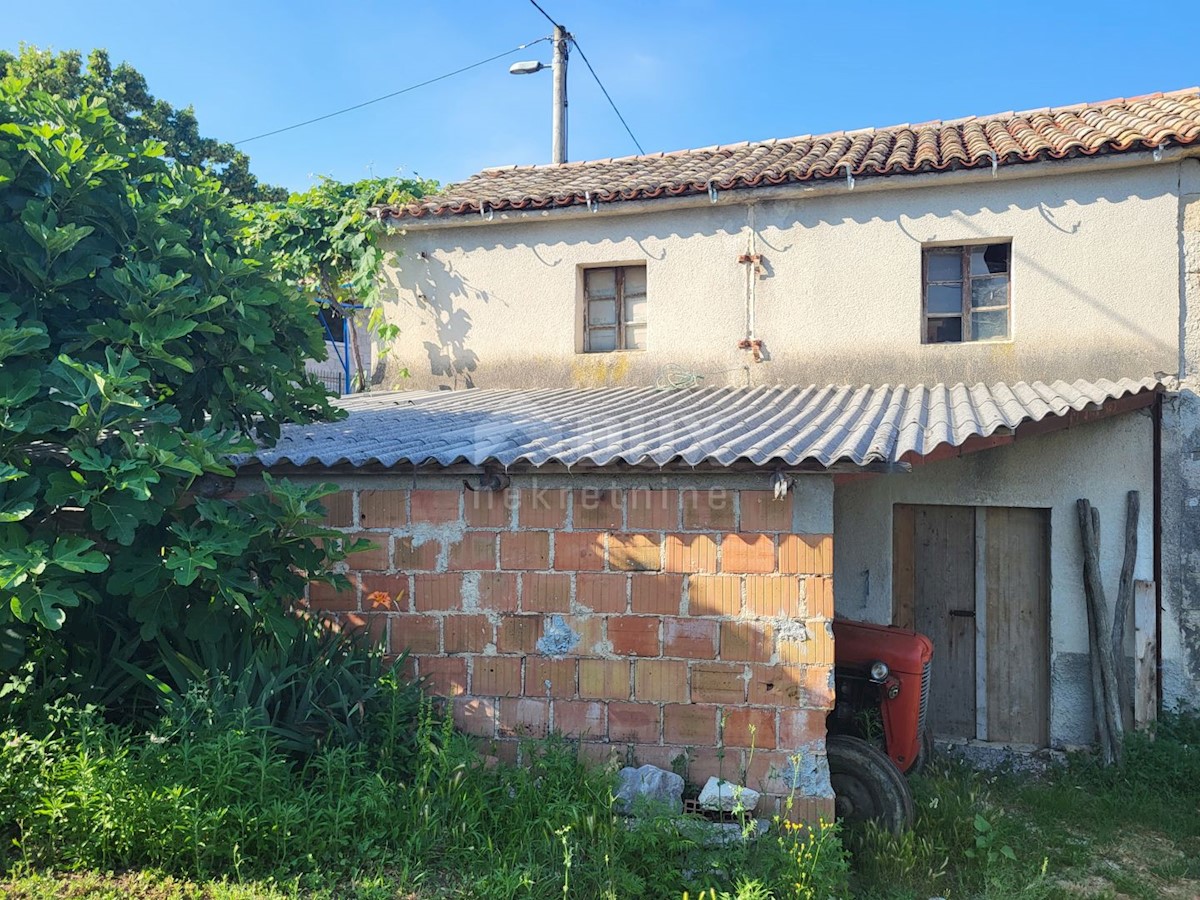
<point>686,73</point>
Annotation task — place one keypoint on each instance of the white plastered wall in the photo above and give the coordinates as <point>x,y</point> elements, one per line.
<point>1100,462</point>
<point>1094,286</point>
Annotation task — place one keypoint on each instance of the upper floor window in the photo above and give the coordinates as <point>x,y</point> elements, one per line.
<point>966,293</point>
<point>614,309</point>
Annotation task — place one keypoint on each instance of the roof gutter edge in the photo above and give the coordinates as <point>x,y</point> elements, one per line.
<point>803,190</point>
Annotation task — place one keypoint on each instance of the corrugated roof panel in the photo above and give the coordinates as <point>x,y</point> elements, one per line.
<point>657,427</point>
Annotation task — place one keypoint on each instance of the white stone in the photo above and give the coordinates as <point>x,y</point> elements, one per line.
<point>726,796</point>
<point>662,790</point>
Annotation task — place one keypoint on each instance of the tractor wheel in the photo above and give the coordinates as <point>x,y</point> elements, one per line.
<point>867,786</point>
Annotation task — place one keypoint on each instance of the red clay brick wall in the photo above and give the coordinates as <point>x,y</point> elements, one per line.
<point>674,627</point>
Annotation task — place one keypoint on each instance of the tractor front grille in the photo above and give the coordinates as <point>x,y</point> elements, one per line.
<point>924,698</point>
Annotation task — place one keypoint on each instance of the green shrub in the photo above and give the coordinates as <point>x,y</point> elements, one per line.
<point>230,799</point>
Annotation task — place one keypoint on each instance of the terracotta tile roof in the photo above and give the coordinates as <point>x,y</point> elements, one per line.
<point>1086,129</point>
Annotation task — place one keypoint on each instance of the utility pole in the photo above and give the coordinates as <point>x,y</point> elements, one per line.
<point>559,123</point>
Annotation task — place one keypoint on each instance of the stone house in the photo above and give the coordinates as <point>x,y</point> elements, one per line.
<point>626,487</point>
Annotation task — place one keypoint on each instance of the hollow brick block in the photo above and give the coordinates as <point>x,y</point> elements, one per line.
<point>434,507</point>
<point>634,722</point>
<point>761,511</point>
<point>634,552</point>
<point>635,635</point>
<point>690,638</point>
<point>659,681</point>
<point>754,553</point>
<point>713,510</point>
<point>594,509</point>
<point>601,592</point>
<point>542,508</point>
<point>383,509</point>
<point>658,594</point>
<point>651,510</point>
<point>525,550</point>
<point>604,679</point>
<point>546,592</point>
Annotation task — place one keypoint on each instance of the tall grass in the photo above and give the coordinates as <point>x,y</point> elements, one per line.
<point>1059,835</point>
<point>417,808</point>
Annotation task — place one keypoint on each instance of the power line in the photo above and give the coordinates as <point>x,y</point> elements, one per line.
<point>603,89</point>
<point>583,56</point>
<point>411,87</point>
<point>544,13</point>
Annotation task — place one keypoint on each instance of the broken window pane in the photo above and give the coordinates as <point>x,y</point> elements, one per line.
<point>601,340</point>
<point>944,265</point>
<point>989,326</point>
<point>991,291</point>
<point>602,312</point>
<point>991,259</point>
<point>986,282</point>
<point>943,298</point>
<point>601,282</point>
<point>944,330</point>
<point>635,309</point>
<point>635,337</point>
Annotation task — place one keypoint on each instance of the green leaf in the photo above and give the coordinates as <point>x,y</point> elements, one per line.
<point>187,564</point>
<point>75,554</point>
<point>45,605</point>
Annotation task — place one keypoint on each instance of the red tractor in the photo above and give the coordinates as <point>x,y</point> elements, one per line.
<point>876,731</point>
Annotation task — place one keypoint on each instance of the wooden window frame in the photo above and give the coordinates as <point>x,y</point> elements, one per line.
<point>619,301</point>
<point>965,310</point>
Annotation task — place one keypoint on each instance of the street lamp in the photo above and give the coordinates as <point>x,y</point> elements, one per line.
<point>526,68</point>
<point>559,67</point>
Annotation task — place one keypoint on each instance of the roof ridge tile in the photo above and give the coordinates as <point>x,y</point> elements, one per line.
<point>1120,125</point>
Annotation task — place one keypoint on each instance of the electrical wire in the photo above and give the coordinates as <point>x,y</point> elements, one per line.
<point>604,90</point>
<point>544,13</point>
<point>411,87</point>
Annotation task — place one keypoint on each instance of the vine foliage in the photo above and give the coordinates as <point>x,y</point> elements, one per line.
<point>326,244</point>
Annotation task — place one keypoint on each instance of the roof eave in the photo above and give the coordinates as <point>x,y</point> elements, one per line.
<point>802,190</point>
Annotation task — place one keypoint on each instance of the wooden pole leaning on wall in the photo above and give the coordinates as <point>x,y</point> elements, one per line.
<point>1124,606</point>
<point>1104,738</point>
<point>1107,706</point>
<point>1145,655</point>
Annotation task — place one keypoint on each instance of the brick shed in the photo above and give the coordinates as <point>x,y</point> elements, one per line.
<point>671,611</point>
<point>625,566</point>
<point>679,621</point>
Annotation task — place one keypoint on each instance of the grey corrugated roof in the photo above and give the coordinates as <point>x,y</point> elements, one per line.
<point>786,426</point>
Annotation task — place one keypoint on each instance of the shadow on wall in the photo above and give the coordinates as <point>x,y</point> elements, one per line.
<point>439,293</point>
<point>1059,202</point>
<point>438,289</point>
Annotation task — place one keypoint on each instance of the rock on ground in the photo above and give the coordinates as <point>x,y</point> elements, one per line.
<point>726,796</point>
<point>649,787</point>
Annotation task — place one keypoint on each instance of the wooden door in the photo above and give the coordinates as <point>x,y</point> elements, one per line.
<point>1017,622</point>
<point>976,581</point>
<point>939,601</point>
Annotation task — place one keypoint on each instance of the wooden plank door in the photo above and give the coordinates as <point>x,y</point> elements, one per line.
<point>934,559</point>
<point>1017,623</point>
